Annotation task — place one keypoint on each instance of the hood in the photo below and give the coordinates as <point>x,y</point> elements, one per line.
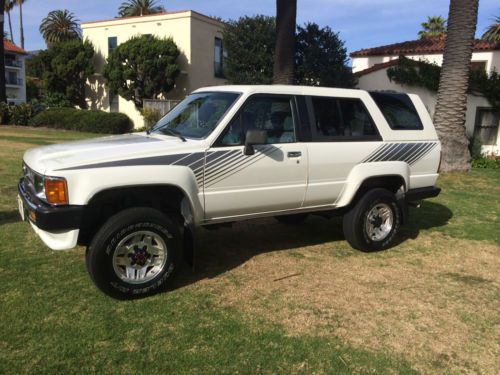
<point>48,159</point>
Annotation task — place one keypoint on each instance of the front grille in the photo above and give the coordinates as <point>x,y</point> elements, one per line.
<point>32,180</point>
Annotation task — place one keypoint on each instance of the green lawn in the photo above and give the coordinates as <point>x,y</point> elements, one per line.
<point>265,298</point>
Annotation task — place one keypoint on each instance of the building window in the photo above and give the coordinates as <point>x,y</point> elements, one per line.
<point>478,66</point>
<point>114,103</point>
<point>337,119</point>
<point>486,126</point>
<point>112,44</point>
<point>218,58</point>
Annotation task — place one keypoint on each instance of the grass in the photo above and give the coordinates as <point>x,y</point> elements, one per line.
<point>288,300</point>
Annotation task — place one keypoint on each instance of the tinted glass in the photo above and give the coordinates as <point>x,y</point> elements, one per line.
<point>197,115</point>
<point>218,57</point>
<point>273,114</point>
<point>341,118</point>
<point>398,110</point>
<point>112,44</point>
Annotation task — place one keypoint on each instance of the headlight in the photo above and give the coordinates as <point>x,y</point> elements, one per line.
<point>56,190</point>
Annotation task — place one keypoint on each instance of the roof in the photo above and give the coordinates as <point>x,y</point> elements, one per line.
<point>11,47</point>
<point>421,46</point>
<point>148,16</point>
<point>376,67</point>
<point>285,90</point>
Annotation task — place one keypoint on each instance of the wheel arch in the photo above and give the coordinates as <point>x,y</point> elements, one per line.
<point>166,198</point>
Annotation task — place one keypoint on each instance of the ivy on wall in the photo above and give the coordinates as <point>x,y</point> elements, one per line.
<point>424,74</point>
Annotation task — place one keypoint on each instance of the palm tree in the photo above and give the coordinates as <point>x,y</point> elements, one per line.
<point>21,26</point>
<point>60,26</point>
<point>493,31</point>
<point>435,26</point>
<point>8,6</point>
<point>284,57</point>
<point>3,93</point>
<point>132,8</point>
<point>449,116</point>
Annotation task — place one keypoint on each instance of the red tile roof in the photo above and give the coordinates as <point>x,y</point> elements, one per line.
<point>11,47</point>
<point>421,46</point>
<point>376,67</point>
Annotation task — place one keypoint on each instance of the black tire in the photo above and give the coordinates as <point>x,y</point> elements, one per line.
<point>355,221</point>
<point>133,222</point>
<point>294,219</point>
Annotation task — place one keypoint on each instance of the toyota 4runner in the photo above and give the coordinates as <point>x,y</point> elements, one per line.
<point>226,154</point>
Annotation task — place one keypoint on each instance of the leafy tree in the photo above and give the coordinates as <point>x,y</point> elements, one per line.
<point>66,67</point>
<point>434,27</point>
<point>249,43</point>
<point>132,8</point>
<point>321,58</point>
<point>493,32</point>
<point>286,15</point>
<point>144,67</point>
<point>449,116</point>
<point>60,26</point>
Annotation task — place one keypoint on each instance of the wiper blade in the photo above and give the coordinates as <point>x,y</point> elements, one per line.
<point>174,133</point>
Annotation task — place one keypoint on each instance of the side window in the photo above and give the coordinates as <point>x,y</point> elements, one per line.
<point>398,110</point>
<point>341,119</point>
<point>273,114</point>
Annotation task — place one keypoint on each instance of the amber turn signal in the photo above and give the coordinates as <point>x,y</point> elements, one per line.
<point>56,190</point>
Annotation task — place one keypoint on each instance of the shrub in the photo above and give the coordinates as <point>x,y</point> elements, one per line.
<point>21,114</point>
<point>487,162</point>
<point>85,121</point>
<point>151,117</point>
<point>4,113</point>
<point>475,146</point>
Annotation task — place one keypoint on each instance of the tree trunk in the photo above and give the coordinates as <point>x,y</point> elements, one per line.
<point>21,22</point>
<point>3,94</point>
<point>449,117</point>
<point>284,59</point>
<point>10,28</point>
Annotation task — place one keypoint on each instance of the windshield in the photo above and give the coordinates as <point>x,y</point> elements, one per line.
<point>197,115</point>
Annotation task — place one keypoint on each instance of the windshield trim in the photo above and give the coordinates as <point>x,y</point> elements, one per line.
<point>239,93</point>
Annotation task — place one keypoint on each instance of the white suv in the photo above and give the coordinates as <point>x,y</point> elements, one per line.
<point>225,154</point>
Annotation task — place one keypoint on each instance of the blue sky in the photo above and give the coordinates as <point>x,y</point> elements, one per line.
<point>361,23</point>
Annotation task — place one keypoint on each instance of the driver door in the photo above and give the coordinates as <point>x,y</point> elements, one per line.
<point>274,178</point>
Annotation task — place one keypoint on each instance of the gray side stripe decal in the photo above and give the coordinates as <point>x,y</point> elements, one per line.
<point>410,152</point>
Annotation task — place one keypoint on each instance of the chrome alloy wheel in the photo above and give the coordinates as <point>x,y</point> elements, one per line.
<point>379,222</point>
<point>139,257</point>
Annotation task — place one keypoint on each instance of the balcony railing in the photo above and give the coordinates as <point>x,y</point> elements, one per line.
<point>14,81</point>
<point>13,63</point>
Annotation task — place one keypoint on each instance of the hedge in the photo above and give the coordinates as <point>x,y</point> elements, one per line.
<point>84,121</point>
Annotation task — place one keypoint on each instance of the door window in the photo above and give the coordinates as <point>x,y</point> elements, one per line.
<point>273,114</point>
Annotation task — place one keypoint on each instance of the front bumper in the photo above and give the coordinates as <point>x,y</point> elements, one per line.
<point>57,226</point>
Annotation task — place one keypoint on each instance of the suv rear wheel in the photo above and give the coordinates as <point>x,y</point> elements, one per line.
<point>134,253</point>
<point>373,221</point>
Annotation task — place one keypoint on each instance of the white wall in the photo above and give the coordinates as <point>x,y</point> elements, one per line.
<point>492,59</point>
<point>378,80</point>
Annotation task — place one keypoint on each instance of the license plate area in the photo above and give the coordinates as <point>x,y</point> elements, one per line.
<point>20,205</point>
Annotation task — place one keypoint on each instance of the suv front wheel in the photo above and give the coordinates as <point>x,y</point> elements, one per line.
<point>372,223</point>
<point>134,253</point>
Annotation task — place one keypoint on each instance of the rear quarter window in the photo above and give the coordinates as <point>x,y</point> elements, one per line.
<point>398,110</point>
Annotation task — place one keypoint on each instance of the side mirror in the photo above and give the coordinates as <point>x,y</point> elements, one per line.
<point>254,137</point>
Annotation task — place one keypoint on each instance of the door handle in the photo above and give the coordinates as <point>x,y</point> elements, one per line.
<point>294,154</point>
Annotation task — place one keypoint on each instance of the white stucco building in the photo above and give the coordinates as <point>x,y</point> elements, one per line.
<point>370,67</point>
<point>15,73</point>
<point>198,37</point>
